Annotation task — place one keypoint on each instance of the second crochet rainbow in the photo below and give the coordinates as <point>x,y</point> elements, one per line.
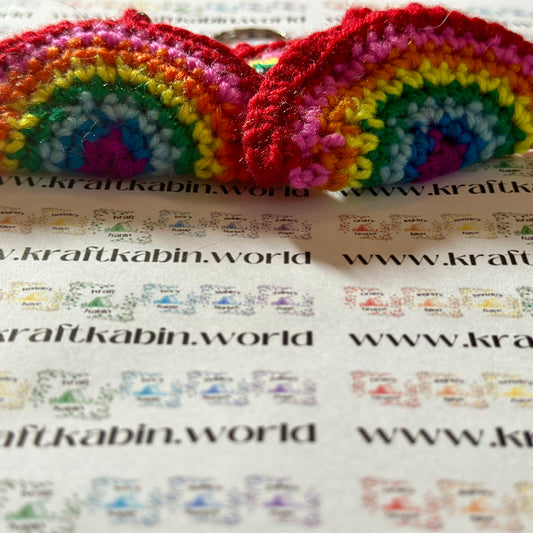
<point>391,96</point>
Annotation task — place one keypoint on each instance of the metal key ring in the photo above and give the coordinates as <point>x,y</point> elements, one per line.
<point>247,35</point>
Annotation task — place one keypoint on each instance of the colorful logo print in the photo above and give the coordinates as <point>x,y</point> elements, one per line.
<point>517,389</point>
<point>462,225</point>
<point>217,388</point>
<point>515,224</point>
<point>34,296</point>
<point>373,301</point>
<point>14,391</point>
<point>150,389</point>
<point>122,225</point>
<point>232,225</point>
<point>401,503</point>
<point>479,505</point>
<point>448,503</point>
<point>469,226</point>
<point>284,387</point>
<point>385,389</point>
<point>15,220</point>
<point>88,396</point>
<point>71,395</point>
<point>490,302</point>
<point>36,506</point>
<point>168,299</point>
<point>285,300</point>
<point>285,226</point>
<point>226,300</point>
<point>124,502</point>
<point>205,500</point>
<point>106,301</point>
<point>431,302</point>
<point>119,225</point>
<point>179,223</point>
<point>452,390</point>
<point>100,301</point>
<point>427,301</point>
<point>282,500</point>
<point>432,389</point>
<point>417,227</point>
<point>65,221</point>
<point>365,227</point>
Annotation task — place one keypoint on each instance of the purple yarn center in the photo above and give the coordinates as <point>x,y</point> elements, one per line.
<point>446,157</point>
<point>109,156</point>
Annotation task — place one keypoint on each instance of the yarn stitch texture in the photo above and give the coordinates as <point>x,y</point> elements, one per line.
<point>123,98</point>
<point>384,97</point>
<point>391,96</point>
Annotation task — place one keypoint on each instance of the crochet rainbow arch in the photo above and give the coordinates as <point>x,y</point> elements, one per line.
<point>386,96</point>
<point>122,98</point>
<point>391,96</point>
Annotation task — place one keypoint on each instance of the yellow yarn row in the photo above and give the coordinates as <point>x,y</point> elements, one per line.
<point>365,108</point>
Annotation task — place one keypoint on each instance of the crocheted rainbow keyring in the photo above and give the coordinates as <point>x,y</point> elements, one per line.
<point>386,96</point>
<point>123,98</point>
<point>391,96</point>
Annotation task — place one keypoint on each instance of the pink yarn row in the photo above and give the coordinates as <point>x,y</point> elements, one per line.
<point>228,83</point>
